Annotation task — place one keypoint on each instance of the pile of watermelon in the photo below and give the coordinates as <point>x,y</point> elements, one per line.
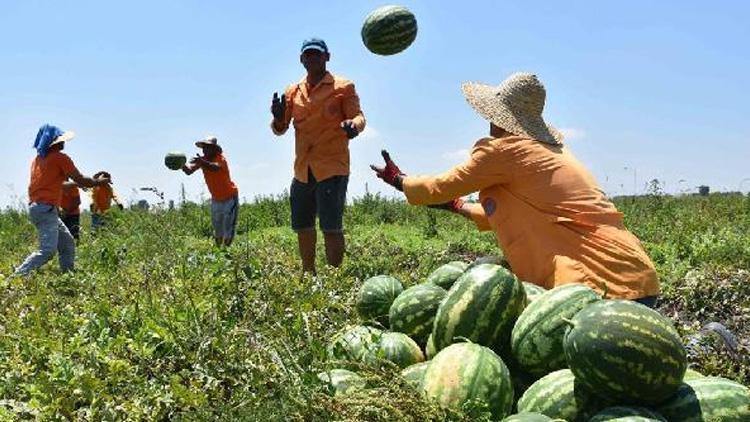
<point>475,335</point>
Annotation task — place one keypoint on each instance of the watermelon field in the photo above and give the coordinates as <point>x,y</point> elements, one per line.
<point>158,324</point>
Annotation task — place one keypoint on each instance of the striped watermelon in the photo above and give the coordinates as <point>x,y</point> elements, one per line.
<point>533,291</point>
<point>399,349</point>
<point>429,349</point>
<point>691,374</point>
<point>447,274</point>
<point>559,395</point>
<point>466,373</point>
<point>537,338</point>
<point>413,311</point>
<point>481,306</point>
<point>175,160</point>
<point>490,259</point>
<point>342,381</point>
<point>415,373</point>
<point>528,417</point>
<point>376,296</point>
<point>708,399</point>
<point>389,30</point>
<point>627,414</point>
<point>354,343</point>
<point>625,351</point>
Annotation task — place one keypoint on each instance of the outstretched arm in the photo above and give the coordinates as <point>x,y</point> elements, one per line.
<point>88,182</point>
<point>282,113</point>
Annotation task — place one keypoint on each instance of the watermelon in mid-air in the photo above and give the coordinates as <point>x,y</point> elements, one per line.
<point>175,160</point>
<point>389,30</point>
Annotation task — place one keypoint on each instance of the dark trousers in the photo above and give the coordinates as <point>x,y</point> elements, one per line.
<point>73,223</point>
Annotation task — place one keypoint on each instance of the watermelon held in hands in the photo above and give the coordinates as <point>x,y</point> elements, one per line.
<point>465,373</point>
<point>175,160</point>
<point>376,296</point>
<point>625,351</point>
<point>389,30</point>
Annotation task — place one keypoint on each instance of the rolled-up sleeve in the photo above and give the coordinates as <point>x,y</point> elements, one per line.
<point>351,108</point>
<point>485,167</point>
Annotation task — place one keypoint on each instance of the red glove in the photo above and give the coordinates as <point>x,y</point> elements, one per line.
<point>452,206</point>
<point>390,174</point>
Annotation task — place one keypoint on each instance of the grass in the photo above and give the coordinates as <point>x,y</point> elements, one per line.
<point>157,324</point>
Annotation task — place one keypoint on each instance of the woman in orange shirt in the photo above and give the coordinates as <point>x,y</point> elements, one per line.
<point>49,169</point>
<point>224,194</point>
<point>553,222</point>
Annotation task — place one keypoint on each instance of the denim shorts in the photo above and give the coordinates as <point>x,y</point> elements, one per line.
<point>326,199</point>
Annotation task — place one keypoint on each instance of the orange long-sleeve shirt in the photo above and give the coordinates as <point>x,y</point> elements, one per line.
<point>317,112</point>
<point>553,222</point>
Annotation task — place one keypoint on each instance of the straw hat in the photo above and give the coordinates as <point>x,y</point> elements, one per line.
<point>209,142</point>
<point>65,137</point>
<point>515,105</point>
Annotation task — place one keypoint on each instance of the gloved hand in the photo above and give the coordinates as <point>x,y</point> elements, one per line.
<point>390,174</point>
<point>452,206</point>
<point>278,107</point>
<point>350,129</point>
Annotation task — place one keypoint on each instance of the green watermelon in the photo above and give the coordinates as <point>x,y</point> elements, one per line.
<point>447,274</point>
<point>342,381</point>
<point>533,291</point>
<point>692,374</point>
<point>560,395</point>
<point>708,399</point>
<point>429,349</point>
<point>537,338</point>
<point>627,414</point>
<point>528,417</point>
<point>489,259</point>
<point>625,351</point>
<point>467,372</point>
<point>389,30</point>
<point>376,296</point>
<point>175,160</point>
<point>481,306</point>
<point>354,343</point>
<point>399,349</point>
<point>415,373</point>
<point>413,311</point>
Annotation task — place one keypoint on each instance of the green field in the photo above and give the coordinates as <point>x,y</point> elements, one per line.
<point>158,324</point>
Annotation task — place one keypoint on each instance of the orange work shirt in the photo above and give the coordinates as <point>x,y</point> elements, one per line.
<point>71,200</point>
<point>320,143</point>
<point>550,217</point>
<point>47,177</point>
<point>101,197</point>
<point>219,182</point>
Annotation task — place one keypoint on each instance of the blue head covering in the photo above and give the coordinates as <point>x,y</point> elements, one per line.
<point>47,133</point>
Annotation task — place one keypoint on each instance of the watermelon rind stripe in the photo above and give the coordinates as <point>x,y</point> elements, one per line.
<point>709,399</point>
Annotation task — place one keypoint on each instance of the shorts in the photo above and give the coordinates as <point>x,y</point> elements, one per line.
<point>326,199</point>
<point>224,217</point>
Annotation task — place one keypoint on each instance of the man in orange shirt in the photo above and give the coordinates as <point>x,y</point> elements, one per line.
<point>102,198</point>
<point>49,169</point>
<point>326,114</point>
<point>70,210</point>
<point>224,193</point>
<point>550,217</point>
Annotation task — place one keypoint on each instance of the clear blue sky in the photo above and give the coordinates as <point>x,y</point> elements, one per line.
<point>660,87</point>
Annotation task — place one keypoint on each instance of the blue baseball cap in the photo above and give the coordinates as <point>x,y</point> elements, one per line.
<point>314,44</point>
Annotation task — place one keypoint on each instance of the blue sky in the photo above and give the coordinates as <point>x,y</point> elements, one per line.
<point>659,87</point>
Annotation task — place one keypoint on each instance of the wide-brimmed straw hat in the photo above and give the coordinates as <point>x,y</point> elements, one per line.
<point>515,105</point>
<point>209,141</point>
<point>65,137</point>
